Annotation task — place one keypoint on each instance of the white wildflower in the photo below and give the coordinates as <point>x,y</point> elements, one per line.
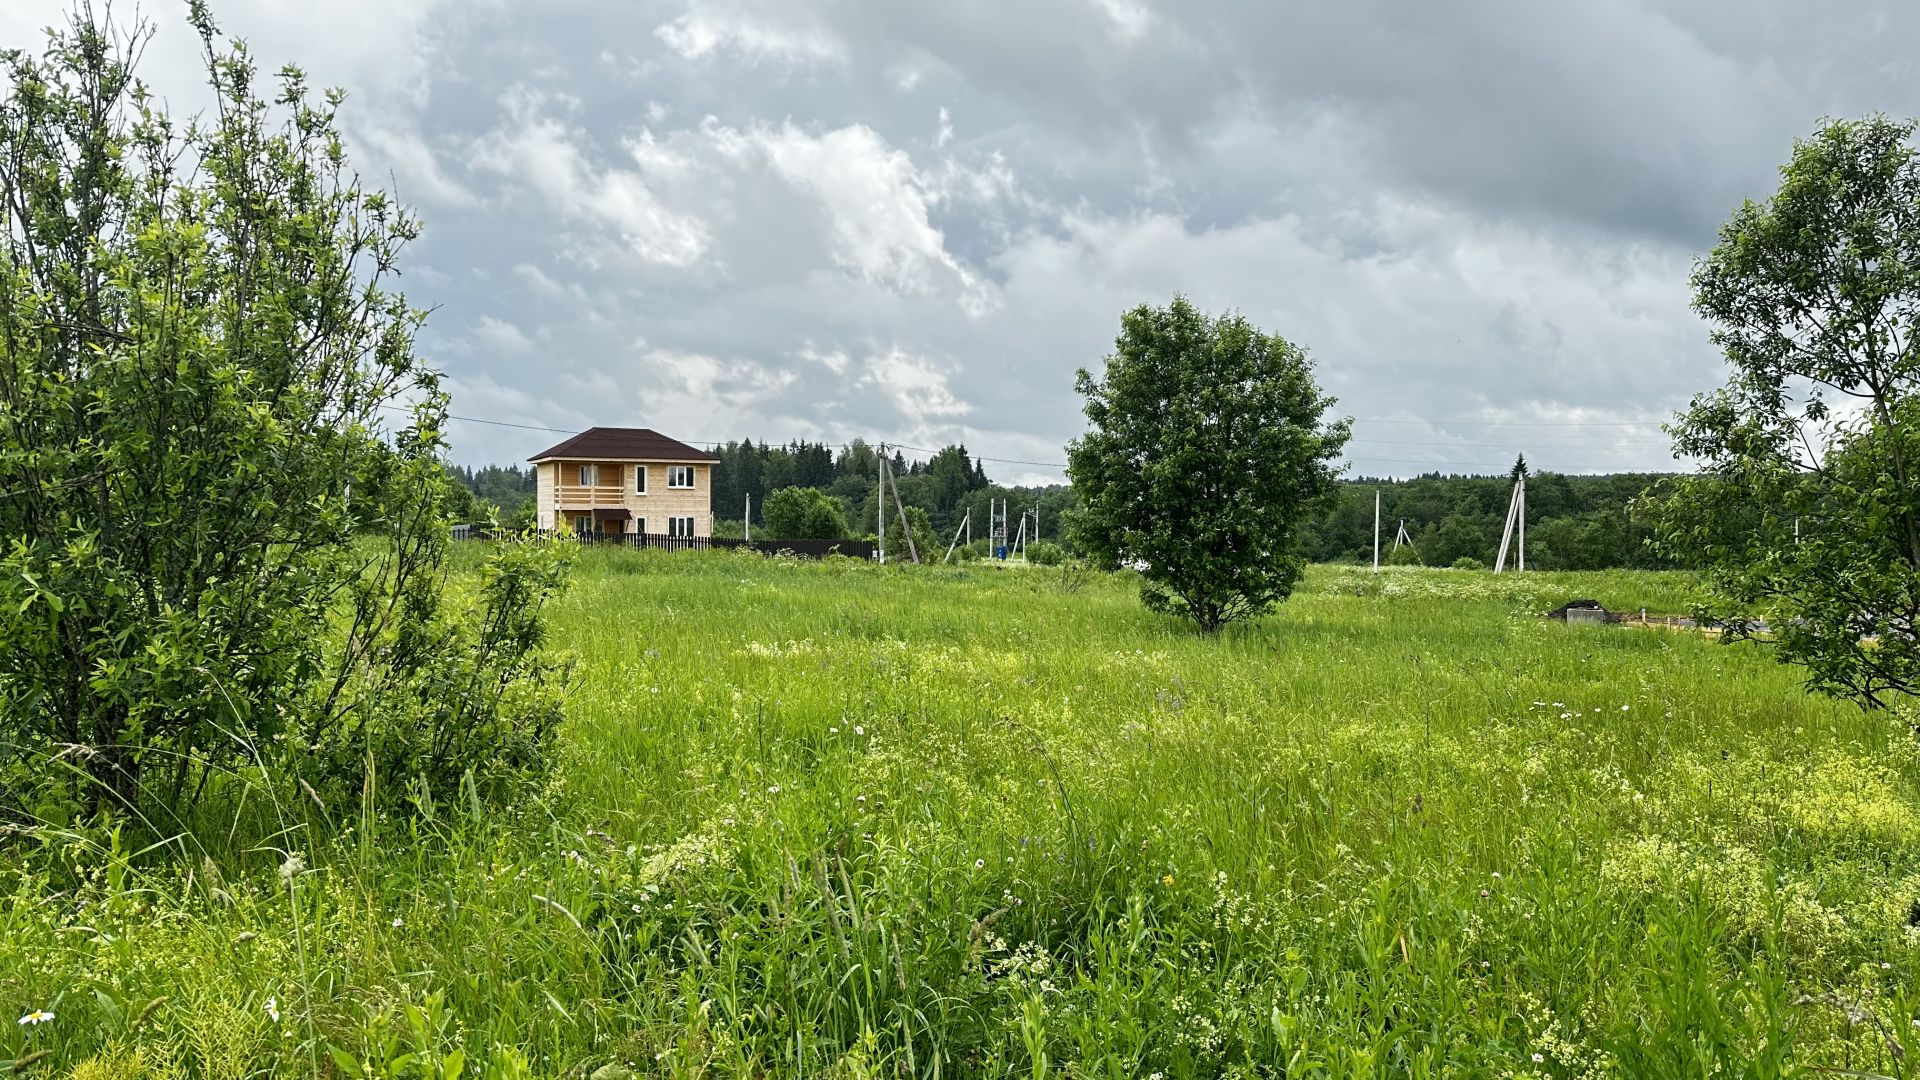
<point>37,1016</point>
<point>273,1009</point>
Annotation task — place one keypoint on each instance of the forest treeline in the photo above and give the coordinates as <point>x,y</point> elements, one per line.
<point>1573,522</point>
<point>938,490</point>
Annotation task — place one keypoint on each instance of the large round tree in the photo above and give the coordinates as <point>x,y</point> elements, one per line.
<point>1807,506</point>
<point>1209,446</point>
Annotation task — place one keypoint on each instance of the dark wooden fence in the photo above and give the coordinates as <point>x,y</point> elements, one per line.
<point>811,549</point>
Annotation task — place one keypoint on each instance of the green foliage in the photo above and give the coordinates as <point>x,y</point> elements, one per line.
<point>1468,562</point>
<point>1209,447</point>
<point>1807,508</point>
<point>964,821</point>
<point>1573,522</point>
<point>507,491</point>
<point>215,552</point>
<point>804,513</point>
<point>1046,553</point>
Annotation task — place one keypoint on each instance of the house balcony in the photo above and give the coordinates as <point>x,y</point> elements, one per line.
<point>582,497</point>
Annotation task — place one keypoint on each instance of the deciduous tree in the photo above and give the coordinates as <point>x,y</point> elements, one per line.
<point>1807,508</point>
<point>1209,447</point>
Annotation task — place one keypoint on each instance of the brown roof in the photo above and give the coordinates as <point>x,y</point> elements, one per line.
<point>624,443</point>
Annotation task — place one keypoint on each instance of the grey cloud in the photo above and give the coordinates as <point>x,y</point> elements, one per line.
<point>829,218</point>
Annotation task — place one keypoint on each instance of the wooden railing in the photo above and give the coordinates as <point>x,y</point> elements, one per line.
<point>582,497</point>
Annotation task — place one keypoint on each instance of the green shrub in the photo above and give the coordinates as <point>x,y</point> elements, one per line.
<point>803,513</point>
<point>1468,562</point>
<point>1046,553</point>
<point>221,550</point>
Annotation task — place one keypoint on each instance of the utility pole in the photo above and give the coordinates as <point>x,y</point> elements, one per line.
<point>1523,523</point>
<point>1376,530</point>
<point>905,526</point>
<point>746,523</point>
<point>881,503</point>
<point>1516,521</point>
<point>965,524</point>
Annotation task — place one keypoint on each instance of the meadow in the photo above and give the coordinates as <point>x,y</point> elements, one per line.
<point>823,819</point>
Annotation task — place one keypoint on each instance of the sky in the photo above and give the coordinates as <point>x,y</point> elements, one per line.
<point>913,222</point>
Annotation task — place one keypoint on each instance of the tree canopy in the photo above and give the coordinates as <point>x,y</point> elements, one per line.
<point>804,513</point>
<point>1807,508</point>
<point>1208,449</point>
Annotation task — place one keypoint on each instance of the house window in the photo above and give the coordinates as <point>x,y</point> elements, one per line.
<point>639,479</point>
<point>680,526</point>
<point>589,476</point>
<point>640,526</point>
<point>680,476</point>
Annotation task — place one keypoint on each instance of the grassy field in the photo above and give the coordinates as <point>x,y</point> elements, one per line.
<point>825,820</point>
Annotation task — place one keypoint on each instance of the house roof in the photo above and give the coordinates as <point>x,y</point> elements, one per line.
<point>623,444</point>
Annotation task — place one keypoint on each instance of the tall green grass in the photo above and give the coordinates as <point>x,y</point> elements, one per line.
<point>829,820</point>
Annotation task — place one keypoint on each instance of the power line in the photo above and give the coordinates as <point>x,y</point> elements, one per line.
<point>1000,460</point>
<point>492,423</point>
<point>1370,391</point>
<point>1624,443</point>
<point>1516,423</point>
<point>1061,465</point>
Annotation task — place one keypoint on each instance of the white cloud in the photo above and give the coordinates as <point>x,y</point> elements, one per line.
<point>834,360</point>
<point>917,390</point>
<point>415,169</point>
<point>768,33</point>
<point>538,150</point>
<point>501,337</point>
<point>877,200</point>
<point>1131,19</point>
<point>705,388</point>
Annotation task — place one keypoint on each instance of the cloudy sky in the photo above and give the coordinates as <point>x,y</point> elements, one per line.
<point>913,221</point>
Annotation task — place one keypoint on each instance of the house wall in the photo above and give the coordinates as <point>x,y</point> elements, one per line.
<point>661,502</point>
<point>543,516</point>
<point>654,507</point>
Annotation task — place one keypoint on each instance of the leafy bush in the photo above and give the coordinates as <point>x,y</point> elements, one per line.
<point>215,551</point>
<point>1046,553</point>
<point>804,513</point>
<point>1468,562</point>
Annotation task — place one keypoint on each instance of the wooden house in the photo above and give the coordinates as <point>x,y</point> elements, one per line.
<point>613,481</point>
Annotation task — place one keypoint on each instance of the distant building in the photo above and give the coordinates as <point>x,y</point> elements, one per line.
<point>613,481</point>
